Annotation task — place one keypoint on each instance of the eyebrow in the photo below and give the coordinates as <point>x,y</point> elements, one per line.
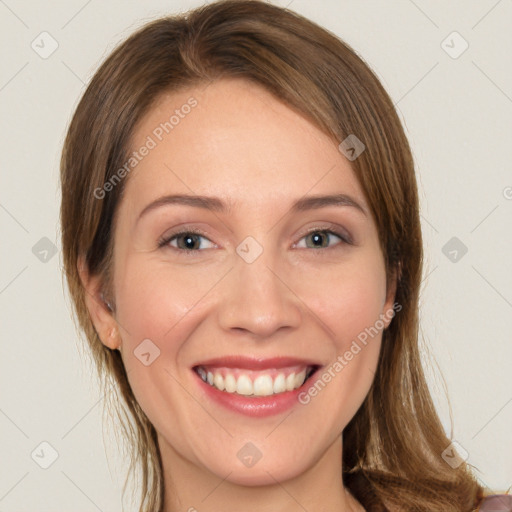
<point>216,204</point>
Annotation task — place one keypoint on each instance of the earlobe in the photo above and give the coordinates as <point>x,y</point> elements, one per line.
<point>100,311</point>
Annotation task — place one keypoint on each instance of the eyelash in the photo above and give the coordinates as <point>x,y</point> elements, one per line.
<point>165,241</point>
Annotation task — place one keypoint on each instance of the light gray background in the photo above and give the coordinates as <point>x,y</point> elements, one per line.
<point>457,113</point>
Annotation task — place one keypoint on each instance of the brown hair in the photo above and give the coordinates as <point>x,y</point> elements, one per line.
<point>392,449</point>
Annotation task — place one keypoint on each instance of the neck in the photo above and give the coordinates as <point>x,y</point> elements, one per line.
<point>191,488</point>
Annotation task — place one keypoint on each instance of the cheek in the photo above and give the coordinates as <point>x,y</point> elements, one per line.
<point>348,299</point>
<point>152,298</point>
<point>154,302</point>
<point>350,309</point>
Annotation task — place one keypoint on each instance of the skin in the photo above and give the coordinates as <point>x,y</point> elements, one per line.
<point>245,147</point>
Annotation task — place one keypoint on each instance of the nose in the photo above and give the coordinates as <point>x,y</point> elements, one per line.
<point>258,300</point>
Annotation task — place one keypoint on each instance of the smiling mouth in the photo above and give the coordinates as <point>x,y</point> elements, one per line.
<point>249,383</point>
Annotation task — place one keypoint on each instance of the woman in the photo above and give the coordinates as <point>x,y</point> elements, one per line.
<point>242,243</point>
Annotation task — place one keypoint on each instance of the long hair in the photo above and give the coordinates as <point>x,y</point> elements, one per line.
<point>393,446</point>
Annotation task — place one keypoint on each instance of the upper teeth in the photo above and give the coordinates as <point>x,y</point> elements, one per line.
<point>253,383</point>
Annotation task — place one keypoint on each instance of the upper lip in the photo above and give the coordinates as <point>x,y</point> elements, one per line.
<point>256,363</point>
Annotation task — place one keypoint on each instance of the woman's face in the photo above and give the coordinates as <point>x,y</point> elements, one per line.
<point>263,286</point>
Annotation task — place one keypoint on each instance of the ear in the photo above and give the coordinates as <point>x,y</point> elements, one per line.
<point>389,309</point>
<point>100,311</point>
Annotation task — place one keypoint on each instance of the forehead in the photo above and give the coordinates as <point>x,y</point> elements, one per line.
<point>234,140</point>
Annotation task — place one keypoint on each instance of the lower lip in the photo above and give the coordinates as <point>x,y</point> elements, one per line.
<point>258,407</point>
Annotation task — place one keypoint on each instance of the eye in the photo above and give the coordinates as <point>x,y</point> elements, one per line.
<point>186,241</point>
<point>322,239</point>
<point>191,241</point>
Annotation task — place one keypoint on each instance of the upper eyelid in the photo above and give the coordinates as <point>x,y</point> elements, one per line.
<point>330,228</point>
<point>165,239</point>
<point>345,237</point>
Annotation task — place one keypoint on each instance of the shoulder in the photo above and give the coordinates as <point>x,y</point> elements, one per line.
<point>496,503</point>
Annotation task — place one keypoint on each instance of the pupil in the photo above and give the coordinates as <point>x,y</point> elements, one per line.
<point>317,239</point>
<point>190,241</point>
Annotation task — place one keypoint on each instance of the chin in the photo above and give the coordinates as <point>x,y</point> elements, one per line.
<point>279,467</point>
